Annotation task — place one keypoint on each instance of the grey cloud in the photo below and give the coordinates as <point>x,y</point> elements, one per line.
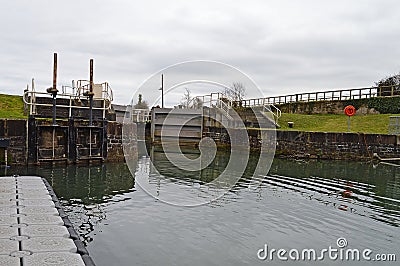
<point>285,46</point>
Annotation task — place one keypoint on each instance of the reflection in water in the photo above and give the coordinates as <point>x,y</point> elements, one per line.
<point>85,191</point>
<point>327,196</point>
<point>359,188</point>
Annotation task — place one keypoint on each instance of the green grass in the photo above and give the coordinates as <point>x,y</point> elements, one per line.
<point>336,123</point>
<point>11,106</point>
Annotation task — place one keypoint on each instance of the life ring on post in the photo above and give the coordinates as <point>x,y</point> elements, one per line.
<point>350,110</point>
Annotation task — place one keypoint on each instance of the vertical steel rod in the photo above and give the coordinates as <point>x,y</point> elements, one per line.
<point>54,90</point>
<point>54,131</point>
<point>91,94</point>
<point>162,90</point>
<point>90,142</point>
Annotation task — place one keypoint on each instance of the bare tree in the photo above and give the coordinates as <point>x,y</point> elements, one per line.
<point>187,98</point>
<point>235,93</point>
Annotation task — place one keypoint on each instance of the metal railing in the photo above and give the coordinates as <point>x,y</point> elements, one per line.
<point>140,115</point>
<point>219,101</point>
<point>30,98</point>
<point>276,112</point>
<point>101,90</point>
<point>214,100</point>
<point>348,94</point>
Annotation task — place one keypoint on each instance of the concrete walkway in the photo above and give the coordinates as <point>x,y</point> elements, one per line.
<point>34,230</point>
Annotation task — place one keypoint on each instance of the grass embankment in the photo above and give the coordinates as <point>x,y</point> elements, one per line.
<point>11,106</point>
<point>336,123</point>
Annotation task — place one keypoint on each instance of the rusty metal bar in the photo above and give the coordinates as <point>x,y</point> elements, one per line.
<point>91,75</point>
<point>91,93</point>
<point>53,90</point>
<point>55,72</point>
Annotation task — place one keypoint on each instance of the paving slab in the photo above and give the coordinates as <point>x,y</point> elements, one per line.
<point>32,232</point>
<point>53,258</point>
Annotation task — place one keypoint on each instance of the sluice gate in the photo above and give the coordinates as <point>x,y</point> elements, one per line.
<point>68,126</point>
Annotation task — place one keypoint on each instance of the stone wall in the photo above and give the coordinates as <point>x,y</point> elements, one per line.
<point>15,131</point>
<point>337,146</point>
<point>114,142</point>
<point>323,145</point>
<point>294,144</point>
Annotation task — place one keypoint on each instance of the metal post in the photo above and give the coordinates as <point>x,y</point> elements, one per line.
<point>55,72</point>
<point>54,133</point>
<point>90,142</point>
<point>53,90</point>
<point>348,123</point>
<point>162,90</point>
<point>90,93</point>
<point>54,109</point>
<point>91,110</point>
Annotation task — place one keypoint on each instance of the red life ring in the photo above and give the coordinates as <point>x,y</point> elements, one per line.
<point>349,110</point>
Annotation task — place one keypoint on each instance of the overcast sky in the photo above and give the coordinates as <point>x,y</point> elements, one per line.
<point>284,46</point>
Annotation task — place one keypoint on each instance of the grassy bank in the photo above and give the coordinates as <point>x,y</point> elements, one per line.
<point>336,123</point>
<point>11,106</point>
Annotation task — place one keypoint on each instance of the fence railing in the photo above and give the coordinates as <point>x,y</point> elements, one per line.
<point>72,94</point>
<point>348,94</point>
<point>140,115</point>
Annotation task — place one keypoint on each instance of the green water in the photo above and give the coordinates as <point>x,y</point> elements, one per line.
<point>299,204</point>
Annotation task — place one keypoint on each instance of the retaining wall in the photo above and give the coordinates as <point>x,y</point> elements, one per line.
<point>294,144</point>
<point>115,152</point>
<point>338,146</point>
<point>15,131</point>
<point>326,145</point>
